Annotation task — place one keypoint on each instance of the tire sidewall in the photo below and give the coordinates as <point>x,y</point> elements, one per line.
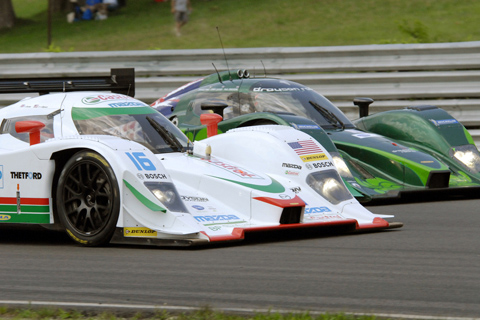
<point>104,236</point>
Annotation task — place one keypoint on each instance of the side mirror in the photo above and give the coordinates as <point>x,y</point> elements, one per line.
<point>32,127</point>
<point>211,120</point>
<point>363,104</point>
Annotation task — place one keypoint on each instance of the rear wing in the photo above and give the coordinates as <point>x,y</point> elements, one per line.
<point>120,81</point>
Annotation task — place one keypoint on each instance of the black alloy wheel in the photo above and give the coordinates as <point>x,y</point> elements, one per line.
<point>87,199</point>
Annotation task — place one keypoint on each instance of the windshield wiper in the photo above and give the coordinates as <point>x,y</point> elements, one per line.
<point>166,135</point>
<point>327,114</point>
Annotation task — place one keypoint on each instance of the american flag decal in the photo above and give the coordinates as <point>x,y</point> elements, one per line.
<point>305,147</point>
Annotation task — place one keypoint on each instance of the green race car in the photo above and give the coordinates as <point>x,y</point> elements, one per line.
<point>415,150</point>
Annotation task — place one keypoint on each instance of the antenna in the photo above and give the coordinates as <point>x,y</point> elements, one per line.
<point>264,70</point>
<point>218,74</point>
<point>226,61</point>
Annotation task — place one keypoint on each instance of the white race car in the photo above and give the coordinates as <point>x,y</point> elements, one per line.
<point>106,167</point>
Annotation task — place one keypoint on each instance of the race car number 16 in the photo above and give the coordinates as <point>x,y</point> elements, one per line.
<point>141,161</point>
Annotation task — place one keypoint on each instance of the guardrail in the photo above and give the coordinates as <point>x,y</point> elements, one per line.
<point>395,75</point>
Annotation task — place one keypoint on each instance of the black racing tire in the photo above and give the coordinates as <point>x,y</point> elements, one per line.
<point>88,199</point>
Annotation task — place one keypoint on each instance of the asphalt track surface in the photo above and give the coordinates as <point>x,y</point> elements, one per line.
<point>430,267</point>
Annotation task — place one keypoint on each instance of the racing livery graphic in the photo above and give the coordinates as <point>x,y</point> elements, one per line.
<point>108,168</point>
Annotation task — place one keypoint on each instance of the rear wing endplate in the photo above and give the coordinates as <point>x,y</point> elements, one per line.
<point>121,80</point>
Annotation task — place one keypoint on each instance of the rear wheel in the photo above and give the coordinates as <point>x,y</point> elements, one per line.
<point>174,120</point>
<point>87,199</point>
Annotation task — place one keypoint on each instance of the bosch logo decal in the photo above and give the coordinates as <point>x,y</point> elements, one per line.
<point>291,166</point>
<point>155,176</point>
<point>323,164</point>
<point>317,210</point>
<point>26,175</point>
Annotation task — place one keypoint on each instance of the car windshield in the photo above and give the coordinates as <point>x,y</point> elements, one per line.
<point>279,96</point>
<point>140,124</point>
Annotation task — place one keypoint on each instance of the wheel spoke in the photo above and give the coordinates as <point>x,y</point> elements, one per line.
<point>87,203</point>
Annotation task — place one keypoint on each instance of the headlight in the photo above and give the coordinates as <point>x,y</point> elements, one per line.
<point>468,156</point>
<point>166,193</point>
<point>342,167</point>
<point>329,185</point>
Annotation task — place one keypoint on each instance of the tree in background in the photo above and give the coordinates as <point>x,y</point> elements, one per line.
<point>58,5</point>
<point>7,15</point>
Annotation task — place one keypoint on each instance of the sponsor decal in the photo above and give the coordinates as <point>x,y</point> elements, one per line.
<point>314,157</point>
<point>1,176</point>
<point>302,89</point>
<point>155,176</point>
<point>427,161</point>
<point>364,135</point>
<point>126,104</point>
<point>76,238</point>
<point>285,196</point>
<point>140,176</point>
<point>196,199</point>
<point>312,210</point>
<point>139,232</point>
<point>198,207</point>
<point>26,175</point>
<point>4,217</point>
<point>220,217</point>
<point>325,164</point>
<point>296,189</point>
<point>443,122</point>
<point>233,169</point>
<point>403,149</point>
<point>309,166</point>
<point>103,97</point>
<point>34,106</point>
<point>305,126</point>
<point>210,89</point>
<point>330,217</point>
<point>291,166</point>
<point>292,173</point>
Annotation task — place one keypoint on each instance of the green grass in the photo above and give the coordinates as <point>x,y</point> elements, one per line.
<point>146,25</point>
<point>201,314</point>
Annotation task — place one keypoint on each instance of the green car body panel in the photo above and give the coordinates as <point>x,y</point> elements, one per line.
<point>384,154</point>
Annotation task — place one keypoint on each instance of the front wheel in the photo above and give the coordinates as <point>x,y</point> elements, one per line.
<point>87,199</point>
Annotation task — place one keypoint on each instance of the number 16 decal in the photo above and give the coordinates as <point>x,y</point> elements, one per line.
<point>141,161</point>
